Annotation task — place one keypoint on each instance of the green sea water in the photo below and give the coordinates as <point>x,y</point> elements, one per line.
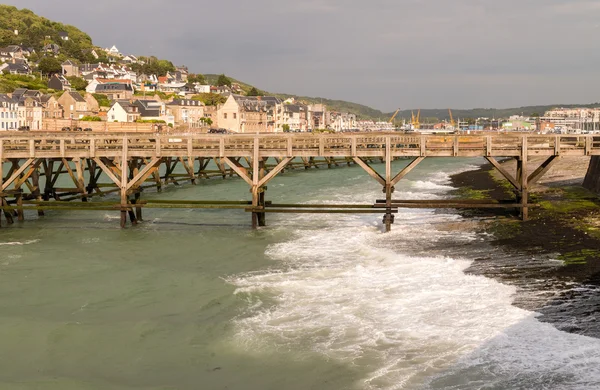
<point>195,299</point>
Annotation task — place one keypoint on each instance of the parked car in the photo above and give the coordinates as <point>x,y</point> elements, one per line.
<point>24,128</point>
<point>217,131</point>
<point>87,129</point>
<point>66,129</point>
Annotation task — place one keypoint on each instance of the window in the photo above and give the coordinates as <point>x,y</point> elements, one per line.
<point>234,115</point>
<point>225,115</point>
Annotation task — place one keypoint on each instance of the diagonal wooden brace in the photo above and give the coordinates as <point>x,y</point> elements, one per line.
<point>504,172</point>
<point>407,170</point>
<point>370,170</point>
<point>239,169</point>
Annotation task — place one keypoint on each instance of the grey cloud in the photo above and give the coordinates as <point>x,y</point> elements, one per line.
<point>384,53</point>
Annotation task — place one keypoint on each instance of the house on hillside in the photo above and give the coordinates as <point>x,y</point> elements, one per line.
<point>74,105</point>
<point>18,69</point>
<point>130,59</point>
<point>59,82</point>
<point>123,111</point>
<point>70,69</point>
<point>92,52</point>
<point>51,48</point>
<point>114,89</point>
<point>63,35</point>
<point>113,51</point>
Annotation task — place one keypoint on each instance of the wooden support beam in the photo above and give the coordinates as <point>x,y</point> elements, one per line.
<point>413,164</point>
<point>108,171</point>
<point>370,170</point>
<point>16,174</point>
<point>542,169</point>
<point>275,171</point>
<point>504,172</point>
<point>239,169</point>
<point>23,179</point>
<point>142,175</point>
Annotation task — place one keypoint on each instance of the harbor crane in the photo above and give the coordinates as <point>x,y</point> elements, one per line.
<point>416,120</point>
<point>452,123</point>
<point>394,116</point>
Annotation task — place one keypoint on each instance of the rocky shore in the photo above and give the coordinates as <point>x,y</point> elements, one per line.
<point>554,258</point>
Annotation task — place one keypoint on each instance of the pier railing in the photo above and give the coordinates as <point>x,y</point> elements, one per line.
<point>90,145</point>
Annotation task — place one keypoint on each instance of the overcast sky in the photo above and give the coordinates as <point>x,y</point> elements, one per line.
<point>383,53</point>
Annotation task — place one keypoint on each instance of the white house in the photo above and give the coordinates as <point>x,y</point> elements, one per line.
<point>113,51</point>
<point>202,88</point>
<point>123,111</point>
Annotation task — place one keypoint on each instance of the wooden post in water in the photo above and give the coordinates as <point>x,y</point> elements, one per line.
<point>255,181</point>
<point>124,200</point>
<point>524,181</point>
<point>388,189</point>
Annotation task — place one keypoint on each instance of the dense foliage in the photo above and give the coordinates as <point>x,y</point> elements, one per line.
<point>77,83</point>
<point>197,78</point>
<point>35,31</point>
<point>102,100</point>
<point>152,65</point>
<point>254,92</point>
<point>223,81</point>
<point>210,99</point>
<point>8,83</point>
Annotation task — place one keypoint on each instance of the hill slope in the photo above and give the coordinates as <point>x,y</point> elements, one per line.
<point>36,31</point>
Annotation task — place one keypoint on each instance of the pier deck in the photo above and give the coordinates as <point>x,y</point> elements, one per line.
<point>131,160</point>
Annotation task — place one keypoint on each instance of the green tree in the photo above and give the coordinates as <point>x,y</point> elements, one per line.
<point>254,92</point>
<point>223,81</point>
<point>206,121</point>
<point>77,83</point>
<point>285,128</point>
<point>197,78</point>
<point>49,65</point>
<point>210,99</point>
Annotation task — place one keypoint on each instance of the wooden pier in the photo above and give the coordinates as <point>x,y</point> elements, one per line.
<point>134,161</point>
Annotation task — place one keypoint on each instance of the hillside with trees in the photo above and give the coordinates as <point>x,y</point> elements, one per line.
<point>23,27</point>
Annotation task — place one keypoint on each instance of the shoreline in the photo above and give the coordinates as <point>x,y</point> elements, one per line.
<point>553,259</point>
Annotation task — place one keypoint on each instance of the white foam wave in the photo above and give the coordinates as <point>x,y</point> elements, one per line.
<point>14,243</point>
<point>407,321</point>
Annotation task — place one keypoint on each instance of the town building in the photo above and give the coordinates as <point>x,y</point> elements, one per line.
<point>341,121</point>
<point>154,110</point>
<point>123,111</point>
<point>9,113</point>
<point>30,113</point>
<point>113,89</point>
<point>70,69</point>
<point>249,114</point>
<point>74,105</point>
<point>51,109</point>
<point>59,82</point>
<point>187,112</point>
<point>293,117</point>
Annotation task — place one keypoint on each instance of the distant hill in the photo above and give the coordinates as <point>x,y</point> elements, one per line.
<point>36,31</point>
<point>442,114</point>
